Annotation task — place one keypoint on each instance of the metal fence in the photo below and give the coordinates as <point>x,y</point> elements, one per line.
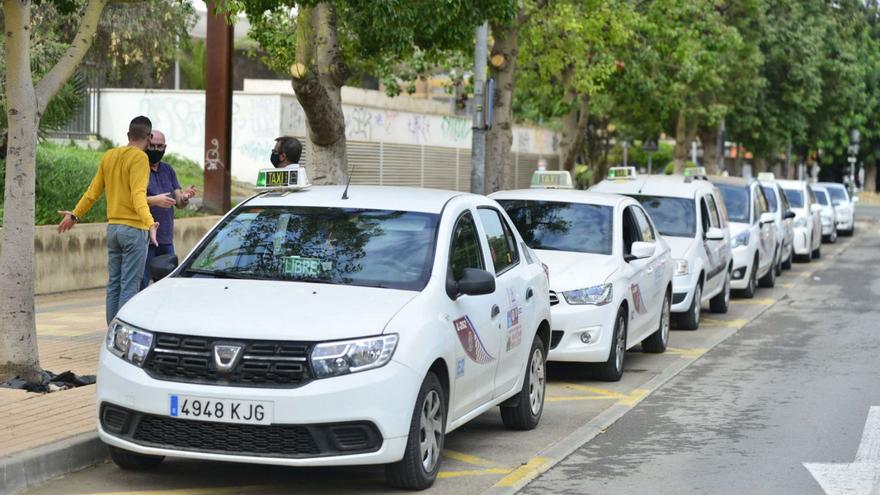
<point>84,122</point>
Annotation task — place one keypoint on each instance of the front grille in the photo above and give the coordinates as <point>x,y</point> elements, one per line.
<point>276,440</point>
<point>554,299</point>
<point>555,337</point>
<point>263,363</point>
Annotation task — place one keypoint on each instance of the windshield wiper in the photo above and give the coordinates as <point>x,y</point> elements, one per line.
<point>546,248</point>
<point>228,274</point>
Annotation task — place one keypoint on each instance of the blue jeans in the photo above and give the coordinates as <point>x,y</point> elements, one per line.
<point>152,252</point>
<point>127,250</point>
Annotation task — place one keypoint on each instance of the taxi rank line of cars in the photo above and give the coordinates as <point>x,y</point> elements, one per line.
<point>322,326</point>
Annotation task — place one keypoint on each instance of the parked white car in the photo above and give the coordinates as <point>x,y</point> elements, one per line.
<point>611,273</point>
<point>807,223</point>
<point>753,235</point>
<point>828,215</point>
<point>689,214</point>
<point>844,207</point>
<point>784,216</point>
<point>313,328</point>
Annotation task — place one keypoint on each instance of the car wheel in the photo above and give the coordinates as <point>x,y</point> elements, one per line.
<point>523,411</point>
<point>691,319</point>
<point>657,341</point>
<point>721,302</point>
<point>778,265</point>
<point>833,238</point>
<point>749,291</point>
<point>817,253</point>
<point>769,279</point>
<point>134,461</point>
<point>421,459</point>
<point>787,263</point>
<point>612,369</point>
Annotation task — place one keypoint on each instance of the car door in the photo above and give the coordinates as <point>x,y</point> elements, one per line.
<point>766,246</point>
<point>816,219</point>
<point>512,283</point>
<point>642,286</point>
<point>715,252</point>
<point>474,321</point>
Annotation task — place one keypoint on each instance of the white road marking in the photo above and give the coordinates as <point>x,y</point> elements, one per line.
<point>862,476</point>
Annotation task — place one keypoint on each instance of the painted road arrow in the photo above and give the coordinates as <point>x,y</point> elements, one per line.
<point>862,476</point>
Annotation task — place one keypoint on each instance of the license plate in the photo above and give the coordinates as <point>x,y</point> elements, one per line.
<point>221,410</point>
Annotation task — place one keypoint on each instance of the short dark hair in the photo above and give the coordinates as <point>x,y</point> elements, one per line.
<point>140,128</point>
<point>291,147</point>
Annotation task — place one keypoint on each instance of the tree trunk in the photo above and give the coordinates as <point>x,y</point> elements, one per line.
<point>870,177</point>
<point>317,77</point>
<point>709,140</point>
<point>499,139</point>
<point>574,131</point>
<point>759,164</point>
<point>25,105</point>
<point>680,154</point>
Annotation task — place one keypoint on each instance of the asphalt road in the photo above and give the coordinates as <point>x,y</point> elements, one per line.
<point>734,407</point>
<point>792,387</point>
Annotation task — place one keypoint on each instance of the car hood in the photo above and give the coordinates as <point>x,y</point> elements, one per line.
<point>577,270</point>
<point>678,246</point>
<point>262,309</point>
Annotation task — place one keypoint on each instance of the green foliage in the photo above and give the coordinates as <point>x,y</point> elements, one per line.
<point>192,64</point>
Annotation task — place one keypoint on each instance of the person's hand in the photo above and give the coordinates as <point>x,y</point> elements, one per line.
<point>153,230</point>
<point>189,192</point>
<point>161,201</point>
<point>67,222</point>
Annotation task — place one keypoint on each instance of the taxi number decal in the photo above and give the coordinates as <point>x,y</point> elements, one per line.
<point>471,342</point>
<point>514,329</point>
<point>637,298</point>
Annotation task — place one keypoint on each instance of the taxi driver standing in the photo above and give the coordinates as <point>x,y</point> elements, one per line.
<point>123,174</point>
<point>286,152</point>
<point>163,192</point>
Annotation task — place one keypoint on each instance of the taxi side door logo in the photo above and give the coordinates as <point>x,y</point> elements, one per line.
<point>470,341</point>
<point>226,356</point>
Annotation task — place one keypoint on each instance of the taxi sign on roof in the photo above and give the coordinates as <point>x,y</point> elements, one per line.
<point>695,172</point>
<point>289,178</point>
<point>766,176</point>
<point>622,173</point>
<point>551,179</point>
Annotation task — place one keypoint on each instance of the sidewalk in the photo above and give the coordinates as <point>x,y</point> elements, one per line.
<point>70,331</point>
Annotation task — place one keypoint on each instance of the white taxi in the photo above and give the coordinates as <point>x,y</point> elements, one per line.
<point>313,328</point>
<point>610,271</point>
<point>828,215</point>
<point>807,220</point>
<point>689,214</point>
<point>844,206</point>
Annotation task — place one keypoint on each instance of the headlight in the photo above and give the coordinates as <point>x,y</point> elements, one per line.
<point>681,268</point>
<point>350,356</point>
<point>596,295</point>
<point>741,239</point>
<point>801,222</point>
<point>130,343</point>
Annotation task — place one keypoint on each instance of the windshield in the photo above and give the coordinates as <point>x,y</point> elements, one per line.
<point>795,197</point>
<point>770,194</point>
<point>557,226</point>
<point>838,195</point>
<point>821,197</point>
<point>372,248</point>
<point>673,216</point>
<point>736,200</point>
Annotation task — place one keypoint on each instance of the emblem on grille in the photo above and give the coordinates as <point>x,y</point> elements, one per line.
<point>226,356</point>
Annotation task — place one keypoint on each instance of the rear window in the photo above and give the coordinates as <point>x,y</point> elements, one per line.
<point>770,194</point>
<point>673,216</point>
<point>736,201</point>
<point>795,197</point>
<point>558,226</point>
<point>821,197</point>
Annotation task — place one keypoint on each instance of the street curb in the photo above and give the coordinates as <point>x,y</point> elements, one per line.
<point>559,451</point>
<point>27,469</point>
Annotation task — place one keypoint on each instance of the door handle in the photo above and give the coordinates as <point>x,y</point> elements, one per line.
<point>529,293</point>
<point>495,310</point>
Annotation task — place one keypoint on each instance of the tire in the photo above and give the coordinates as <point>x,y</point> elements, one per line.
<point>817,253</point>
<point>778,265</point>
<point>691,319</point>
<point>420,464</point>
<point>657,341</point>
<point>786,265</point>
<point>833,237</point>
<point>721,302</point>
<point>133,461</point>
<point>749,291</point>
<point>523,411</point>
<point>612,369</point>
<point>769,279</point>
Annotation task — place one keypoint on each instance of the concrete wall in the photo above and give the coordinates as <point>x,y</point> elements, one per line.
<point>78,259</point>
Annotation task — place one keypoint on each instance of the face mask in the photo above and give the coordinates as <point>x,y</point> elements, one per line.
<point>155,155</point>
<point>275,159</point>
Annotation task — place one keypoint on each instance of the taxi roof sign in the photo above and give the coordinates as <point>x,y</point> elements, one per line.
<point>292,178</point>
<point>552,179</point>
<point>695,172</point>
<point>766,176</point>
<point>622,173</point>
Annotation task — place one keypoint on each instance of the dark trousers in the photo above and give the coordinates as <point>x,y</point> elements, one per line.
<point>152,252</point>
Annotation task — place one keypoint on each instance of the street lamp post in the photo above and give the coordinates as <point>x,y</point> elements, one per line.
<point>649,146</point>
<point>853,151</point>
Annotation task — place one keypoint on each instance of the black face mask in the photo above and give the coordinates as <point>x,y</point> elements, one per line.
<point>155,155</point>
<point>275,159</point>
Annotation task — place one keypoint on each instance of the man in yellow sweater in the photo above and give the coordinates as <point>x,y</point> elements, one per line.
<point>123,173</point>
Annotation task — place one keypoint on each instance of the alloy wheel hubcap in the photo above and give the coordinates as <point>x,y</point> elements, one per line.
<point>430,430</point>
<point>727,289</point>
<point>664,321</point>
<point>537,381</point>
<point>621,346</point>
<point>698,301</point>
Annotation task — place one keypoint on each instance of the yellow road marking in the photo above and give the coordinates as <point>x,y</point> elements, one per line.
<point>469,459</point>
<point>763,302</point>
<point>806,274</point>
<point>472,472</point>
<point>786,285</point>
<point>569,398</point>
<point>197,491</point>
<point>527,470</point>
<point>611,394</point>
<point>634,397</point>
<point>686,352</point>
<point>736,324</point>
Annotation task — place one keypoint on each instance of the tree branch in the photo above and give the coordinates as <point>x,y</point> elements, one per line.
<point>55,79</point>
<point>525,14</point>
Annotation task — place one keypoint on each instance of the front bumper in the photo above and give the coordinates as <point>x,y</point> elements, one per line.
<point>845,222</point>
<point>801,241</point>
<point>743,264</point>
<point>575,320</point>
<point>827,226</point>
<point>683,287</point>
<point>382,398</point>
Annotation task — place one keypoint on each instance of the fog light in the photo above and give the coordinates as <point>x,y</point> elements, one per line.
<point>590,335</point>
<point>739,273</point>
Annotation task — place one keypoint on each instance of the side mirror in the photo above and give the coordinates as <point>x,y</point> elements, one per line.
<point>816,208</point>
<point>789,215</point>
<point>474,282</point>
<point>715,234</point>
<point>641,250</point>
<point>162,266</point>
<point>767,217</point>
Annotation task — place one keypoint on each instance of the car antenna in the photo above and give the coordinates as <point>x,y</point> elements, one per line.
<point>348,182</point>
